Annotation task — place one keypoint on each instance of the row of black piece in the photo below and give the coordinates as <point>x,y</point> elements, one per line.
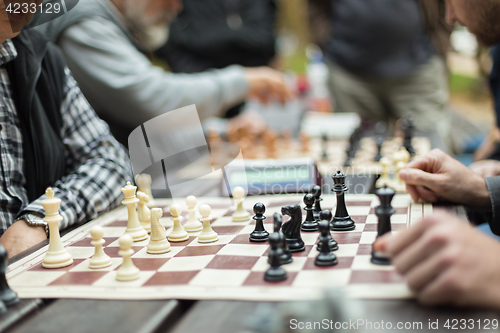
<point>341,221</point>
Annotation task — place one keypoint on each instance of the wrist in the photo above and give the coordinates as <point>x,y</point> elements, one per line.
<point>34,220</point>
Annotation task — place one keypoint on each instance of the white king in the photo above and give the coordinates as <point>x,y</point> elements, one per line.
<point>56,255</point>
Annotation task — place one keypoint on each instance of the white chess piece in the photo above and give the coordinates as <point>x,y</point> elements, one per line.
<point>143,211</point>
<point>158,242</point>
<point>99,259</point>
<point>240,214</point>
<point>56,256</point>
<point>384,179</point>
<point>398,184</point>
<point>134,227</point>
<point>178,234</point>
<point>207,234</point>
<point>192,224</point>
<point>143,181</point>
<point>127,271</point>
<point>404,155</point>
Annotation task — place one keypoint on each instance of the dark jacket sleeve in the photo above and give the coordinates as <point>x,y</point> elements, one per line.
<point>493,184</point>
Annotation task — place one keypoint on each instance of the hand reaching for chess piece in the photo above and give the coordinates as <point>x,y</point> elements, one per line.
<point>438,176</point>
<point>446,261</point>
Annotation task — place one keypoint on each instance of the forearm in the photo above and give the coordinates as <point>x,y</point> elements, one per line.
<point>121,82</point>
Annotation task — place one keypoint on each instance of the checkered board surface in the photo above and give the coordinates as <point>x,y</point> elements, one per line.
<point>231,268</point>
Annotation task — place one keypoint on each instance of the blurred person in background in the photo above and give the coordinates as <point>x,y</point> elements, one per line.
<point>214,34</point>
<point>105,43</point>
<point>386,58</point>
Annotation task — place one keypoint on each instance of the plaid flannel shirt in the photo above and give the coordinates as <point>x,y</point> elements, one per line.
<point>97,165</point>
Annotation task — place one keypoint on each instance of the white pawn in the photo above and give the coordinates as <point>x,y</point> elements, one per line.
<point>143,212</point>
<point>143,181</point>
<point>398,184</point>
<point>405,155</point>
<point>56,256</point>
<point>99,259</point>
<point>158,242</point>
<point>178,233</point>
<point>192,224</point>
<point>127,271</point>
<point>384,179</point>
<point>134,227</point>
<point>240,214</point>
<point>207,234</point>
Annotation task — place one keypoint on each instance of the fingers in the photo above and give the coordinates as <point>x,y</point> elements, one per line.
<point>266,83</point>
<point>441,290</point>
<point>412,191</point>
<point>418,177</point>
<point>426,194</point>
<point>428,243</point>
<point>404,239</point>
<point>422,275</point>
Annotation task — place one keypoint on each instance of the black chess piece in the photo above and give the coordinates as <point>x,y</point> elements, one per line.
<point>286,257</point>
<point>310,223</point>
<point>325,256</point>
<point>259,234</point>
<point>316,191</point>
<point>384,213</point>
<point>7,295</point>
<point>408,128</point>
<point>291,229</point>
<point>324,140</point>
<point>380,132</point>
<point>379,140</point>
<point>275,272</point>
<point>354,144</point>
<point>327,216</point>
<point>341,221</point>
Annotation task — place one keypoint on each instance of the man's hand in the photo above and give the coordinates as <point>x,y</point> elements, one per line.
<point>486,168</point>
<point>20,236</point>
<point>446,261</point>
<point>266,83</point>
<point>438,176</point>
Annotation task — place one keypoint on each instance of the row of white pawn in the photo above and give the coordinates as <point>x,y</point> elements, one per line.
<point>144,221</point>
<point>147,220</point>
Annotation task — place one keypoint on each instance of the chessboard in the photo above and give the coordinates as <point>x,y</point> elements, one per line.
<point>336,155</point>
<point>231,268</point>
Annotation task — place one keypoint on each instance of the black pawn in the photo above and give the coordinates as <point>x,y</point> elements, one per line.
<point>7,296</point>
<point>325,146</point>
<point>310,223</point>
<point>259,234</point>
<point>384,213</point>
<point>341,221</point>
<point>286,257</point>
<point>325,256</point>
<point>316,191</point>
<point>327,216</point>
<point>275,272</point>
